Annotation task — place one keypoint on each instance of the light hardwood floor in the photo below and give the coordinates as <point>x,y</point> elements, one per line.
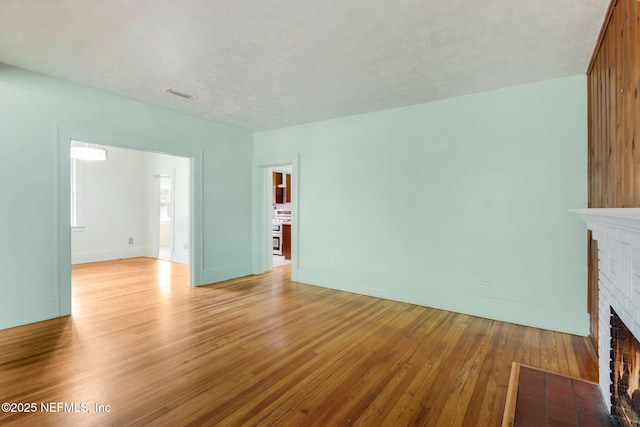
<point>263,350</point>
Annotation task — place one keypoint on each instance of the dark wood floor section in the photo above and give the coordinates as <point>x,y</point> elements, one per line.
<point>549,399</point>
<point>263,350</point>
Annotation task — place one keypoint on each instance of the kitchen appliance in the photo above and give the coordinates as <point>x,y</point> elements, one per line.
<point>279,217</point>
<point>277,239</point>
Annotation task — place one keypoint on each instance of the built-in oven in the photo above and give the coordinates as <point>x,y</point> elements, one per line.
<point>279,217</point>
<point>277,239</point>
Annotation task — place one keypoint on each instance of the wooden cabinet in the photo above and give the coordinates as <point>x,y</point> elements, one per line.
<point>286,241</point>
<point>288,189</point>
<point>278,189</point>
<point>281,187</point>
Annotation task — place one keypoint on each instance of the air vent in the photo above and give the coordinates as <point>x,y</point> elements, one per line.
<point>179,93</point>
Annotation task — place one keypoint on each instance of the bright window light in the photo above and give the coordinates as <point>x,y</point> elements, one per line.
<point>85,152</point>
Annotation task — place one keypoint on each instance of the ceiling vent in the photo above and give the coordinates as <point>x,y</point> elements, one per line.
<point>179,93</point>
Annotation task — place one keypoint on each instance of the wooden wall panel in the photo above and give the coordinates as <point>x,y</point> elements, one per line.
<point>614,124</point>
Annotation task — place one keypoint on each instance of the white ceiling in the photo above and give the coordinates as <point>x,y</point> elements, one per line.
<point>264,64</point>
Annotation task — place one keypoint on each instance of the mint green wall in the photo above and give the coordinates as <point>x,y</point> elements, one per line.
<point>434,198</point>
<point>34,110</point>
<point>427,204</point>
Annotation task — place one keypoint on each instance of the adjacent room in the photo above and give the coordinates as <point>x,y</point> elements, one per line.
<point>330,213</point>
<point>128,203</point>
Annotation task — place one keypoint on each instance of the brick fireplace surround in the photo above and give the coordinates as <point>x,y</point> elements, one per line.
<point>617,232</point>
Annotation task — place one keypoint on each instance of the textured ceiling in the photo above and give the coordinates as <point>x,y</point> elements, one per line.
<point>264,64</point>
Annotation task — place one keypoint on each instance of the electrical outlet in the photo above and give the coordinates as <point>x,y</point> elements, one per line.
<point>185,246</point>
<point>131,240</point>
<point>484,284</point>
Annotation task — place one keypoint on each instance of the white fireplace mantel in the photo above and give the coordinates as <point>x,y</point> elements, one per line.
<point>619,218</point>
<point>617,232</point>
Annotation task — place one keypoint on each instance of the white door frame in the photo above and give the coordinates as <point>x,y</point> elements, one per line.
<point>63,190</point>
<point>263,213</point>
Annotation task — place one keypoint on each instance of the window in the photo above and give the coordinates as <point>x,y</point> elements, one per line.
<point>80,151</point>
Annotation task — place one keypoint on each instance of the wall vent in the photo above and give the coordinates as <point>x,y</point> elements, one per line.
<point>179,93</point>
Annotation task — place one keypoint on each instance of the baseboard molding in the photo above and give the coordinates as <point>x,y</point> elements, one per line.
<point>521,313</point>
<point>109,254</point>
<point>225,273</point>
<point>12,315</point>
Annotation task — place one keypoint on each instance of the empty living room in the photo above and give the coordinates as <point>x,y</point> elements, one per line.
<point>458,183</point>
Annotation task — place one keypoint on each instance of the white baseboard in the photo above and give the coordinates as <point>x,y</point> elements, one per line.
<point>225,273</point>
<point>520,313</point>
<point>108,255</point>
<point>36,311</point>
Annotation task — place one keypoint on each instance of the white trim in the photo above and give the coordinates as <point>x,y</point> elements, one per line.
<point>109,254</point>
<point>226,272</point>
<point>262,209</point>
<point>63,134</point>
<point>403,290</point>
<point>620,218</point>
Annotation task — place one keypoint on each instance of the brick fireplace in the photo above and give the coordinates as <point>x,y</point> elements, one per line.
<point>617,232</point>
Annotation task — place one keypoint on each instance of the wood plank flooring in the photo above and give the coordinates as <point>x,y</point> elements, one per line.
<point>263,350</point>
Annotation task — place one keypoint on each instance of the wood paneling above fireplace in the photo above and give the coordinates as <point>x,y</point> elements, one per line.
<point>614,124</point>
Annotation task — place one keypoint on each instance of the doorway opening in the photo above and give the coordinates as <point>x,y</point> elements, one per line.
<point>165,240</point>
<point>67,233</point>
<point>264,200</point>
<point>130,203</point>
<point>281,202</point>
